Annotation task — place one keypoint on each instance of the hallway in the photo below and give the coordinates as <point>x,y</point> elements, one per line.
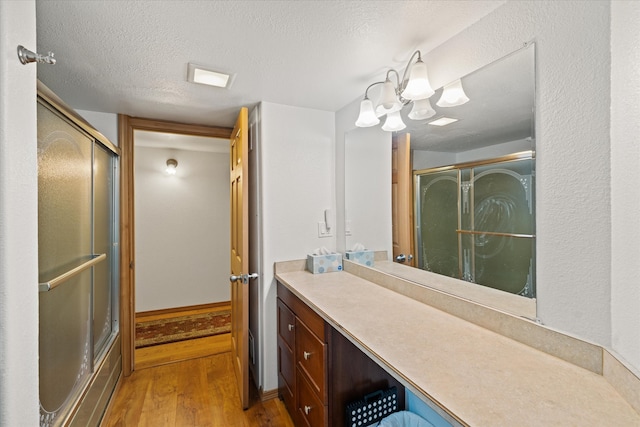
<point>195,392</point>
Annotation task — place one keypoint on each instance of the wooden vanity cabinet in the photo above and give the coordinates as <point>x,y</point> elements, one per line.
<point>319,370</point>
<point>302,361</point>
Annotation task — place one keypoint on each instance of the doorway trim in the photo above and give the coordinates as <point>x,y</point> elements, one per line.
<point>126,127</point>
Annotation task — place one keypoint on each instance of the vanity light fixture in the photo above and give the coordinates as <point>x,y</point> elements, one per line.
<point>453,95</point>
<point>172,164</point>
<point>442,121</point>
<point>395,96</point>
<point>202,75</point>
<point>397,93</point>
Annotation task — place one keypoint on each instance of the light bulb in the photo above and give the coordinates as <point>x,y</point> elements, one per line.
<point>388,97</point>
<point>418,86</point>
<point>172,164</point>
<point>421,110</point>
<point>394,122</point>
<point>367,117</point>
<point>453,95</point>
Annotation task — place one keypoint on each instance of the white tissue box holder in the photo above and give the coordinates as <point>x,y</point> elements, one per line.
<point>324,263</point>
<point>365,257</point>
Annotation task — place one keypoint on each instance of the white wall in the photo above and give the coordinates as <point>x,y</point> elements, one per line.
<point>625,194</point>
<point>423,159</point>
<point>494,151</point>
<point>182,228</point>
<point>105,123</point>
<point>368,188</point>
<point>572,147</point>
<point>344,120</point>
<point>573,155</point>
<point>297,163</point>
<point>18,219</point>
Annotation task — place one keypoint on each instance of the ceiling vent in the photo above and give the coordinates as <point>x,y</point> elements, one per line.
<point>205,76</point>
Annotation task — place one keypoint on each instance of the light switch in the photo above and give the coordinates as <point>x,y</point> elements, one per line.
<point>323,231</point>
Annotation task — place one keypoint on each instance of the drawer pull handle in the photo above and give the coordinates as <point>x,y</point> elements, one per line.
<point>306,355</point>
<point>307,409</point>
<point>290,327</point>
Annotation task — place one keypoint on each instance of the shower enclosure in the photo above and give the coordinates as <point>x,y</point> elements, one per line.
<point>77,256</point>
<point>476,221</point>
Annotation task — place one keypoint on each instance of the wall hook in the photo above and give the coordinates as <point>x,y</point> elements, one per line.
<point>26,56</point>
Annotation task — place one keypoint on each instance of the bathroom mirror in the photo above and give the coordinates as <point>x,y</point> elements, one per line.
<point>495,127</point>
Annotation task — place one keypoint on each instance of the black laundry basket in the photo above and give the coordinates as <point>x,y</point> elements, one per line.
<point>372,408</point>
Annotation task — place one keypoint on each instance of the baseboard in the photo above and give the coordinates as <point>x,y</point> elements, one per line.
<point>268,395</point>
<point>173,310</point>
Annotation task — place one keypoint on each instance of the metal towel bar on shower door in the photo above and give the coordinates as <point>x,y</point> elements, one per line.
<point>47,286</point>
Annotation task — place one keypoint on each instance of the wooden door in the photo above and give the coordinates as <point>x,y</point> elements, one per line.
<point>239,143</point>
<point>402,199</point>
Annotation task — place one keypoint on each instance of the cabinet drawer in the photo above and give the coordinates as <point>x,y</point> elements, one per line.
<point>310,356</point>
<point>286,324</point>
<point>311,411</point>
<point>313,321</point>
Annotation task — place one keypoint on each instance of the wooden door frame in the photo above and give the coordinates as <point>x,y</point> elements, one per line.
<point>126,127</point>
<point>404,196</point>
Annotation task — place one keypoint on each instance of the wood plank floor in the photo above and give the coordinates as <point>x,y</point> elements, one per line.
<point>156,355</point>
<point>199,391</point>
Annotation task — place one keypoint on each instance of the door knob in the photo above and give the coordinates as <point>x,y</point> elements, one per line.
<point>403,258</point>
<point>244,277</point>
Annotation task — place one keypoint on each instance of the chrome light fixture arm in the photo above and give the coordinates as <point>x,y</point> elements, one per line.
<point>366,92</point>
<point>414,86</point>
<point>400,83</point>
<point>391,70</point>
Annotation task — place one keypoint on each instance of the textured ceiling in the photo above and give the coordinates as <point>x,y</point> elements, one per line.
<point>131,57</point>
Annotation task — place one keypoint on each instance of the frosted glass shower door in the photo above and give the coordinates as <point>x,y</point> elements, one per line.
<point>437,222</point>
<point>502,224</point>
<point>64,243</point>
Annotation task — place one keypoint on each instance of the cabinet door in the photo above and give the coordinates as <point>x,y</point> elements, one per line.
<point>286,324</point>
<point>286,362</point>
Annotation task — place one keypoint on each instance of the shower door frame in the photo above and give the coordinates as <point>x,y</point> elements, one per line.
<point>106,363</point>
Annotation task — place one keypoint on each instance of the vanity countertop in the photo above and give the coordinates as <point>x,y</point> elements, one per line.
<point>478,376</point>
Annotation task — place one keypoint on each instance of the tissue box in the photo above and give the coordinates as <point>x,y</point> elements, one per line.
<point>361,257</point>
<point>324,263</point>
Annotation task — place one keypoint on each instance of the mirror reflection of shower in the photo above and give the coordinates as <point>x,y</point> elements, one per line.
<point>476,222</point>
